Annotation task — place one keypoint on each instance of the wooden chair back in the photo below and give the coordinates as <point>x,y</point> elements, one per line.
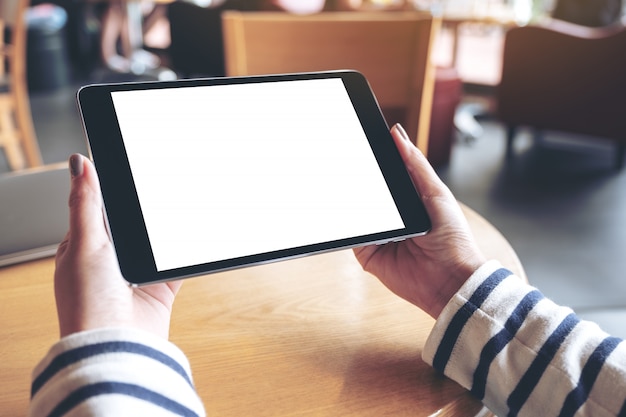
<point>392,50</point>
<point>17,133</point>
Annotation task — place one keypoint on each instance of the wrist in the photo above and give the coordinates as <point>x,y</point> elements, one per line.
<point>456,280</point>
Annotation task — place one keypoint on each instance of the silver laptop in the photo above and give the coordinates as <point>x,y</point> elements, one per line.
<point>33,213</point>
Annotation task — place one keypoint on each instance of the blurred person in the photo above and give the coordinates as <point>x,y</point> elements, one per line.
<point>117,49</point>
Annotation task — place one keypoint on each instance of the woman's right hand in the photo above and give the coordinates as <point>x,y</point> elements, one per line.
<point>426,270</point>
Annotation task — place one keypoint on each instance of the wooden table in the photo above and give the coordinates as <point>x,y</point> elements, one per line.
<point>315,336</point>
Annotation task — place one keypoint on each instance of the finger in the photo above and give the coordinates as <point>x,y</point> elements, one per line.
<point>438,200</point>
<point>175,286</point>
<point>422,173</point>
<point>85,202</point>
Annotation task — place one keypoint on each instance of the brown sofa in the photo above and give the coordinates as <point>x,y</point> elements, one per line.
<point>565,77</point>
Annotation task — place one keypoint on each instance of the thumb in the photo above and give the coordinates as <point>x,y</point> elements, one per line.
<point>85,203</point>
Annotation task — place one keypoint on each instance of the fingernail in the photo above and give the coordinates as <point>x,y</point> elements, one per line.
<point>76,165</point>
<point>402,132</point>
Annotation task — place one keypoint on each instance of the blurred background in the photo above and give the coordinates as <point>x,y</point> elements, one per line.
<point>528,111</point>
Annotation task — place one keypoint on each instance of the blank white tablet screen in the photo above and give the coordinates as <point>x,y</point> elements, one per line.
<point>227,171</point>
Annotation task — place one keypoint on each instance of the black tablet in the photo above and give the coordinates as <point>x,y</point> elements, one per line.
<point>206,175</point>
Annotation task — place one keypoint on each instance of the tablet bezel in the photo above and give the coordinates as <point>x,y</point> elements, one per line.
<point>123,209</point>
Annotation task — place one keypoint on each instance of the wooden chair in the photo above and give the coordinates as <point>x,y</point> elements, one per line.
<point>565,77</point>
<point>17,134</point>
<point>392,50</point>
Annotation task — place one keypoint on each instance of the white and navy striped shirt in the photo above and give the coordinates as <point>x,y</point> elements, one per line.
<point>523,355</point>
<point>517,351</point>
<point>114,372</point>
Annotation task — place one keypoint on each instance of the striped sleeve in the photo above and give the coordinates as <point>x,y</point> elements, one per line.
<point>523,355</point>
<point>117,372</point>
